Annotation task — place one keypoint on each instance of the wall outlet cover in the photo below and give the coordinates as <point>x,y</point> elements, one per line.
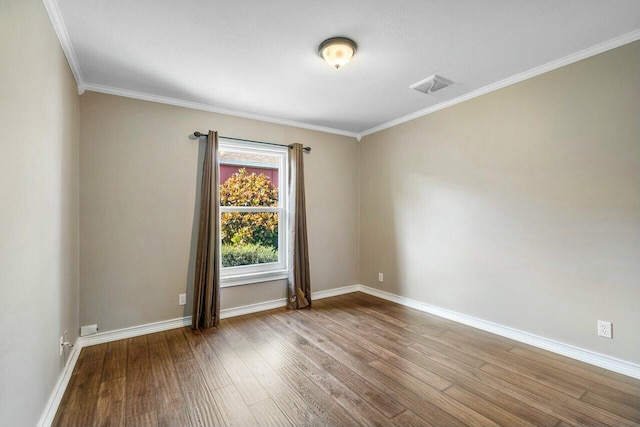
<point>604,329</point>
<point>380,277</point>
<point>182,299</point>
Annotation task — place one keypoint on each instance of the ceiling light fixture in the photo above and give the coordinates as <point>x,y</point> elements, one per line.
<point>337,51</point>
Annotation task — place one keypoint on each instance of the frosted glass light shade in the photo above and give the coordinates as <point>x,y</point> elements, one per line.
<point>337,51</point>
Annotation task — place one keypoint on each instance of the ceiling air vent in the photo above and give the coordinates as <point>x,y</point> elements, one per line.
<point>431,84</point>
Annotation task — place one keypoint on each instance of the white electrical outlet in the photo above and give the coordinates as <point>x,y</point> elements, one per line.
<point>61,345</point>
<point>380,277</point>
<point>604,329</point>
<point>182,299</point>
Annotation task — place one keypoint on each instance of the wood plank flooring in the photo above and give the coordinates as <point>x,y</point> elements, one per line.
<point>351,360</point>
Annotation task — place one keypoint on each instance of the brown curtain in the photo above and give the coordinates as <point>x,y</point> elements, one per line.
<point>299,289</point>
<point>206,287</point>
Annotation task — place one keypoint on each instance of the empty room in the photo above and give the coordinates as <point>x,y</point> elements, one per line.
<point>337,213</point>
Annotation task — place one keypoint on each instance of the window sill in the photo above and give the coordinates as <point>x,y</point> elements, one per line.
<point>248,279</point>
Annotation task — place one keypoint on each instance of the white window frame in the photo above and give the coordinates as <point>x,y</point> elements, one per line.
<point>255,273</point>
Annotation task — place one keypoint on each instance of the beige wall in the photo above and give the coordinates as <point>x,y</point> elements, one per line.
<point>39,112</point>
<point>521,207</point>
<point>138,179</point>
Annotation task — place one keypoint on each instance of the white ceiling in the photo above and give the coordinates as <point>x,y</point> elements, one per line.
<point>258,58</point>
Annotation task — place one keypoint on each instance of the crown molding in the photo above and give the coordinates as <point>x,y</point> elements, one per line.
<point>213,109</point>
<point>61,31</point>
<point>550,66</point>
<point>65,41</point>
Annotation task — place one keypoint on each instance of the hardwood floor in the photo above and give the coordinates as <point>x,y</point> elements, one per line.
<point>349,361</point>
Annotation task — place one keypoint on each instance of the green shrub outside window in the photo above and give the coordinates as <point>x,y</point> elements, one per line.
<point>249,237</point>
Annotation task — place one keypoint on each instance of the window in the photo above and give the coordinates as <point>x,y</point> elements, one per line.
<point>253,213</point>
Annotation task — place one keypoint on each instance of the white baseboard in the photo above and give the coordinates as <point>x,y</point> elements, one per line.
<point>252,308</point>
<point>134,331</point>
<point>165,325</point>
<point>597,359</point>
<point>601,360</point>
<point>335,292</point>
<point>51,408</point>
<point>593,358</point>
<point>282,302</point>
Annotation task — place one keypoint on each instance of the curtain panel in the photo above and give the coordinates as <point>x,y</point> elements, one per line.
<point>299,281</point>
<point>206,287</point>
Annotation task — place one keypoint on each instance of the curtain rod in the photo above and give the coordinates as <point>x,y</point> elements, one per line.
<point>200,135</point>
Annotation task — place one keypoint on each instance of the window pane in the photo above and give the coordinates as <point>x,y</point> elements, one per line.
<point>248,179</point>
<point>249,238</point>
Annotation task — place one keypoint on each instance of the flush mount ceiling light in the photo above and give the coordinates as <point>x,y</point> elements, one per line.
<point>337,51</point>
